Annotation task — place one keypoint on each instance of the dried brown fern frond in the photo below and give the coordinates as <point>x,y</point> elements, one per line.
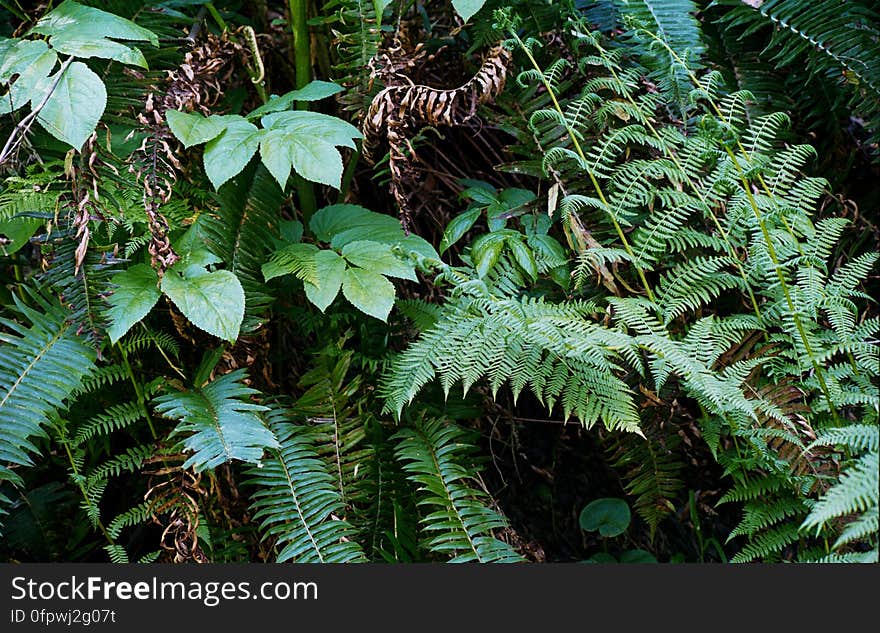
<point>194,85</point>
<point>399,111</point>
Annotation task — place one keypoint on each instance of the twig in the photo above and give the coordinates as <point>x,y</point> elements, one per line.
<point>24,125</point>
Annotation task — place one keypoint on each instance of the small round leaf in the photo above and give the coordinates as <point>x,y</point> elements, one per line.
<point>609,516</point>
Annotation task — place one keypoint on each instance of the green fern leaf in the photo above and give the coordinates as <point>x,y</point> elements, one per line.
<point>218,422</point>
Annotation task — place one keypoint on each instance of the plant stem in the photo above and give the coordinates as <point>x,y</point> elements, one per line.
<point>302,64</point>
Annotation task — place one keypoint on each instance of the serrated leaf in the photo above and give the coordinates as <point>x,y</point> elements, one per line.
<point>103,48</point>
<point>84,31</point>
<point>306,142</point>
<point>226,155</point>
<point>327,128</point>
<point>378,258</point>
<point>76,105</point>
<point>456,229</point>
<point>195,129</point>
<point>467,8</point>
<point>135,295</point>
<point>316,160</point>
<point>369,292</point>
<point>332,220</point>
<point>29,83</point>
<point>17,55</point>
<point>275,154</point>
<point>330,270</point>
<point>212,301</point>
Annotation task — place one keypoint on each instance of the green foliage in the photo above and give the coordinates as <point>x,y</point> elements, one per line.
<point>218,422</point>
<point>457,522</point>
<point>42,362</point>
<point>69,103</point>
<point>633,233</point>
<point>608,516</point>
<point>212,300</point>
<point>303,141</point>
<point>297,502</point>
<point>136,292</point>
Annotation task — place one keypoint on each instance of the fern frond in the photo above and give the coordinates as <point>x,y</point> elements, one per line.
<point>218,422</point>
<point>41,365</point>
<point>857,491</point>
<point>459,523</point>
<point>296,501</point>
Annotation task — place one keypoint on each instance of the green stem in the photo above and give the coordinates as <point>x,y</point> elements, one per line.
<point>138,390</point>
<point>674,158</point>
<point>85,495</point>
<point>217,17</point>
<point>302,64</point>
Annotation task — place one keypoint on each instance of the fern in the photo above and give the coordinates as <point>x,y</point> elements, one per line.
<point>856,491</point>
<point>41,365</point>
<point>458,523</point>
<point>296,501</point>
<point>832,38</point>
<point>553,349</point>
<point>217,422</point>
<point>651,470</point>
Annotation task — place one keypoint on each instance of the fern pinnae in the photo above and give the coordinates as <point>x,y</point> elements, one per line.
<point>41,365</point>
<point>459,523</point>
<point>296,502</point>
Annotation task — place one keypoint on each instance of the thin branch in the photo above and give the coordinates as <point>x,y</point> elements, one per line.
<point>25,124</point>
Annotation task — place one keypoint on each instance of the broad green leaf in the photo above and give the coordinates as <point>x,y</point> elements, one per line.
<point>193,249</point>
<point>314,91</point>
<point>336,218</point>
<point>523,256</point>
<point>340,224</point>
<point>18,230</point>
<point>378,258</point>
<point>486,250</point>
<point>30,79</point>
<point>18,55</point>
<point>212,301</point>
<point>609,516</point>
<point>467,8</point>
<point>71,17</point>
<point>315,160</point>
<point>275,153</point>
<point>330,270</point>
<point>415,244</point>
<point>75,106</point>
<point>226,155</point>
<point>83,31</point>
<point>321,126</point>
<point>550,251</point>
<point>135,295</point>
<point>195,129</point>
<point>306,142</point>
<point>369,292</point>
<point>103,48</point>
<point>456,229</point>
